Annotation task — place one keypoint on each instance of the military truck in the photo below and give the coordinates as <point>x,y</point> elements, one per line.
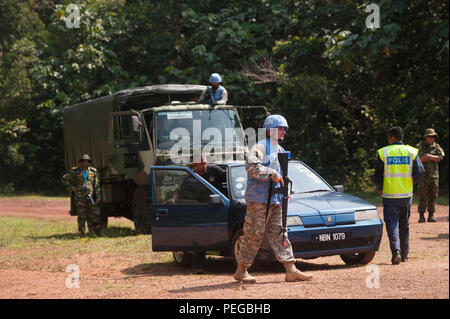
<point>127,132</point>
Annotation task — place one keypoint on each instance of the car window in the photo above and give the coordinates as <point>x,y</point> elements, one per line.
<point>305,180</point>
<point>238,181</point>
<point>178,187</point>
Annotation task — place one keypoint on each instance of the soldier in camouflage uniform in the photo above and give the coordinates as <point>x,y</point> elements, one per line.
<point>431,153</point>
<point>262,166</point>
<point>84,182</point>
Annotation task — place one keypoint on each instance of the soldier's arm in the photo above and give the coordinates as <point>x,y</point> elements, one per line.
<point>224,98</point>
<point>254,166</point>
<point>434,158</point>
<point>68,181</point>
<point>440,152</point>
<point>421,154</point>
<point>97,189</point>
<point>202,97</point>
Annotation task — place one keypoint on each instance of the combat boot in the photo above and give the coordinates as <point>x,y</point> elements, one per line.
<point>431,219</point>
<point>293,274</point>
<point>242,275</point>
<point>422,218</point>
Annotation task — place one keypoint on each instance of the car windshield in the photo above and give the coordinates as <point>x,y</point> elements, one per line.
<point>216,127</point>
<point>304,180</point>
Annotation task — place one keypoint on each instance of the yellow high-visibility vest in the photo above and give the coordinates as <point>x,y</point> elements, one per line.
<point>398,166</point>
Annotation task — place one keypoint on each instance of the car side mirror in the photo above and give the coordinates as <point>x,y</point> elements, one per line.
<point>339,188</point>
<point>216,200</point>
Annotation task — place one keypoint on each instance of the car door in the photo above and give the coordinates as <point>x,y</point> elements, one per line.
<point>187,212</point>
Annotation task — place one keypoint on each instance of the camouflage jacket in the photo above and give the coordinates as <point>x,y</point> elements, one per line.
<point>431,168</point>
<point>74,182</point>
<point>261,166</point>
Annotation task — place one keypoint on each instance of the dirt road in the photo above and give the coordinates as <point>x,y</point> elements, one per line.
<point>109,275</point>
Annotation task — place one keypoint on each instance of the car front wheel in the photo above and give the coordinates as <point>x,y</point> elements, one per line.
<point>358,258</point>
<point>235,245</point>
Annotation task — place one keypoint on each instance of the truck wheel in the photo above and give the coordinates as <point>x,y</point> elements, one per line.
<point>103,221</point>
<point>358,258</point>
<point>140,212</point>
<point>182,258</point>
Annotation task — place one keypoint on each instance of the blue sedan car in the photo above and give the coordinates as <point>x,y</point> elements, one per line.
<point>189,214</point>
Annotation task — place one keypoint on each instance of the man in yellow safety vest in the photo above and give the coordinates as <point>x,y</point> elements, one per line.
<point>397,165</point>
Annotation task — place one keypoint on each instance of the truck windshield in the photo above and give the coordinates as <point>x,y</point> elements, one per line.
<point>217,127</point>
<point>304,180</point>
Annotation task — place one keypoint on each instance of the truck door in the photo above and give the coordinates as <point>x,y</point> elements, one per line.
<point>187,212</point>
<point>128,138</point>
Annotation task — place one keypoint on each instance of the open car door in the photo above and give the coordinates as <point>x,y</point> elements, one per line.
<point>187,212</point>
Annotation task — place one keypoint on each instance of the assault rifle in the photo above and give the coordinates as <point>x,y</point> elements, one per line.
<point>283,158</point>
<point>211,97</point>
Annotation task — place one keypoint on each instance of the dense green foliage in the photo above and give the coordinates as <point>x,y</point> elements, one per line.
<point>340,84</point>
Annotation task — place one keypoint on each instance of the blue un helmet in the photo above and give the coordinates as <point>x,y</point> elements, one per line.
<point>215,78</point>
<point>274,121</point>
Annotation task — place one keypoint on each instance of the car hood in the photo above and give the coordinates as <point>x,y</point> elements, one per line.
<point>326,203</point>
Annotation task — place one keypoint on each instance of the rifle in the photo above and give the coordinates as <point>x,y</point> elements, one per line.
<point>283,158</point>
<point>211,97</point>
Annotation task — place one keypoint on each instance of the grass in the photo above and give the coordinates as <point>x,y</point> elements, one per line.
<point>46,244</point>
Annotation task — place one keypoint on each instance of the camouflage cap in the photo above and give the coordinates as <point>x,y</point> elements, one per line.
<point>430,132</point>
<point>85,157</point>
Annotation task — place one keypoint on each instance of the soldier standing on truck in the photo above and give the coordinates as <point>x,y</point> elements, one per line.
<point>264,211</point>
<point>215,94</point>
<point>83,181</point>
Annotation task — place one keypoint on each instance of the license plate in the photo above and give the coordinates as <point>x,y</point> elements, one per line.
<point>327,237</point>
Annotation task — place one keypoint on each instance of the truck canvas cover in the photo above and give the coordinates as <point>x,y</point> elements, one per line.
<point>86,131</point>
<point>86,123</point>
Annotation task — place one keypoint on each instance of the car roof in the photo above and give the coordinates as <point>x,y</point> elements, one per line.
<point>240,163</point>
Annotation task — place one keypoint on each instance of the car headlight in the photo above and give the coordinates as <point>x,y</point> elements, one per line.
<point>366,214</point>
<point>294,221</point>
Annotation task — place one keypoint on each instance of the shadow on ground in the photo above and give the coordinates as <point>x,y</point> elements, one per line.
<point>110,232</point>
<point>222,266</point>
<point>438,237</point>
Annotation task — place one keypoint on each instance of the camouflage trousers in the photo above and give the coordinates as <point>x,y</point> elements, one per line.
<point>428,192</point>
<point>88,213</point>
<point>256,227</point>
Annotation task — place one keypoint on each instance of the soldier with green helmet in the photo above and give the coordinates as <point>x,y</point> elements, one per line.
<point>83,181</point>
<point>431,153</point>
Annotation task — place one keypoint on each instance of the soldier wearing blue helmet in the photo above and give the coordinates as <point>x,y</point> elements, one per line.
<point>215,93</point>
<point>264,213</point>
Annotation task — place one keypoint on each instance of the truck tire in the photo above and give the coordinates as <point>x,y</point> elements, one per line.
<point>358,258</point>
<point>183,258</point>
<point>140,212</point>
<point>103,220</point>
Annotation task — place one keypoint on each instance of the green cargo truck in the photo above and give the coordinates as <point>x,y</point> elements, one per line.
<point>127,132</point>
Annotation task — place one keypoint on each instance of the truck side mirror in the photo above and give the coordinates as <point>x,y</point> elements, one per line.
<point>339,188</point>
<point>136,124</point>
<point>216,200</point>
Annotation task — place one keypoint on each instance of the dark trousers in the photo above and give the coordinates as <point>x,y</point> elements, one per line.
<point>396,213</point>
